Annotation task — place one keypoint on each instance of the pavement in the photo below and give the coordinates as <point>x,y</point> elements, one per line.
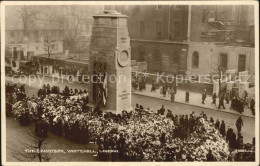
<point>194,100</point>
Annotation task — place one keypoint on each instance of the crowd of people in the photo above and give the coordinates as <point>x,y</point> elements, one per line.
<point>139,135</point>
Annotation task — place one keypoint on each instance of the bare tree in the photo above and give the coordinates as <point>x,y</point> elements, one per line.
<point>27,14</point>
<point>33,149</point>
<point>73,18</point>
<point>49,45</point>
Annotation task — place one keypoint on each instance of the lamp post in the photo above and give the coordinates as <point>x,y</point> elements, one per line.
<point>219,81</point>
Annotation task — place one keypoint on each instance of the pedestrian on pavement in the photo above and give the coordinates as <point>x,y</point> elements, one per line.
<point>172,95</point>
<point>217,124</point>
<point>244,95</point>
<point>227,97</point>
<point>223,129</point>
<point>252,106</point>
<point>221,101</point>
<point>239,124</point>
<point>164,91</point>
<point>153,87</point>
<point>204,95</point>
<point>187,96</point>
<point>214,97</point>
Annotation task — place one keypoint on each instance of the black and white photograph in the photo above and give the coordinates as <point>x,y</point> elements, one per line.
<point>130,82</point>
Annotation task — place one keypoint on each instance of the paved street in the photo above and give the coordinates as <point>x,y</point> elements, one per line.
<point>15,131</point>
<point>17,136</point>
<point>194,100</point>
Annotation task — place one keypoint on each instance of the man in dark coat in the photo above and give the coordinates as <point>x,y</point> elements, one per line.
<point>172,96</point>
<point>204,95</point>
<point>217,124</point>
<point>229,132</point>
<point>162,110</point>
<point>223,129</point>
<point>210,156</point>
<point>221,101</point>
<point>164,91</point>
<point>227,97</point>
<point>239,124</point>
<point>232,140</point>
<point>187,96</point>
<point>252,106</point>
<point>214,97</point>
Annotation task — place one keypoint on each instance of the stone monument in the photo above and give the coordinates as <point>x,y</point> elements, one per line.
<point>110,63</point>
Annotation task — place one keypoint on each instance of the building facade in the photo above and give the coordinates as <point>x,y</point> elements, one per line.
<point>158,35</point>
<point>181,39</point>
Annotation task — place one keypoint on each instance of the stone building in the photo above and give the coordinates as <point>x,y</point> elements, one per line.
<point>167,37</point>
<point>158,35</point>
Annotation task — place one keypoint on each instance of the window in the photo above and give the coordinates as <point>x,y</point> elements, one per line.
<point>158,30</point>
<point>159,7</point>
<point>12,33</point>
<point>195,59</point>
<point>177,29</point>
<point>223,61</point>
<point>241,63</point>
<point>175,58</point>
<point>142,29</point>
<point>37,48</point>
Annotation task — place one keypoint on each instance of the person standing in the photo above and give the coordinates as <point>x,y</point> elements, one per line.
<point>217,124</point>
<point>223,129</point>
<point>210,156</point>
<point>252,106</point>
<point>229,132</point>
<point>204,95</point>
<point>214,97</point>
<point>232,140</point>
<point>227,97</point>
<point>221,101</point>
<point>162,110</point>
<point>245,95</point>
<point>187,96</point>
<point>239,124</point>
<point>172,95</point>
<point>164,91</point>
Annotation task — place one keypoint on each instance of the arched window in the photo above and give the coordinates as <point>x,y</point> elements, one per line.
<point>195,59</point>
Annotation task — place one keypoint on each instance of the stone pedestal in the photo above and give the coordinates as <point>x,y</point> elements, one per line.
<point>110,63</point>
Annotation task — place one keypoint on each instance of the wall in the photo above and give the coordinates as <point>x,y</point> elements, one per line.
<point>206,58</point>
<point>209,58</point>
<point>37,48</point>
<point>163,63</point>
<point>233,56</point>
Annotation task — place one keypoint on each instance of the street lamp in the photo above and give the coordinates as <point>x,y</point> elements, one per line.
<point>219,80</point>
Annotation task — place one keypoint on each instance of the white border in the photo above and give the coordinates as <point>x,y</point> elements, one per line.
<point>3,4</point>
